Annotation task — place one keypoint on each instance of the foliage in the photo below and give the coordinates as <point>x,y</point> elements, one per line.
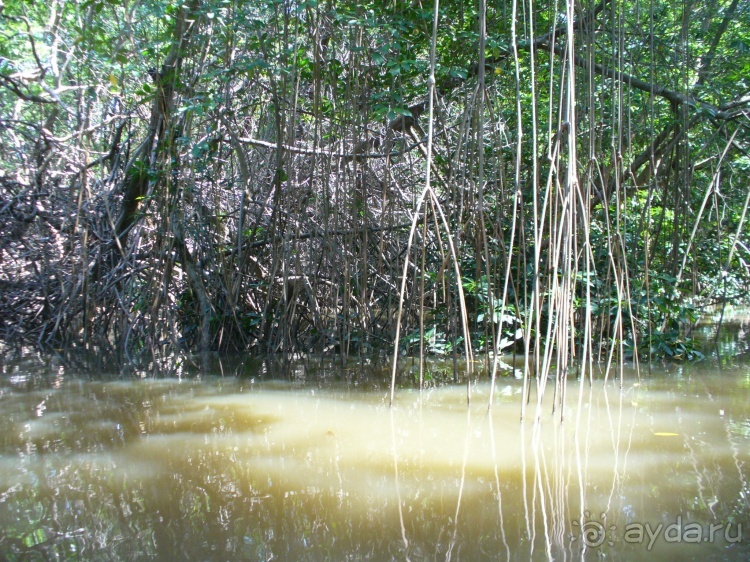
<point>217,175</point>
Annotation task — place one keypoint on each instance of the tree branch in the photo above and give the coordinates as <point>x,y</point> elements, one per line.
<point>322,152</point>
<point>14,87</point>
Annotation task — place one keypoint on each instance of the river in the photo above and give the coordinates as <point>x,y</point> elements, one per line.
<point>254,460</point>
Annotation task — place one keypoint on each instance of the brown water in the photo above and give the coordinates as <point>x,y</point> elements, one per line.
<point>314,465</point>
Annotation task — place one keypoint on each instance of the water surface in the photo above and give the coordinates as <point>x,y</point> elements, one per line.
<point>314,465</point>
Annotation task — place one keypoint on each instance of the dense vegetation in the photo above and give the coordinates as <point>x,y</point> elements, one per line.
<point>236,175</point>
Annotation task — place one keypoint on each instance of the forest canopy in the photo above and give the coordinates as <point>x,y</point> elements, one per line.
<point>566,179</point>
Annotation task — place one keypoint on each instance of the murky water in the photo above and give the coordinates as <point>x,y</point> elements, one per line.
<point>314,465</point>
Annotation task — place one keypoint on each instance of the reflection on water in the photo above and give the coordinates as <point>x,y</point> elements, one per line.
<point>315,466</point>
<point>724,335</point>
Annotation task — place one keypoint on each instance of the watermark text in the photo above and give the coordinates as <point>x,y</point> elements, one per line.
<point>594,533</point>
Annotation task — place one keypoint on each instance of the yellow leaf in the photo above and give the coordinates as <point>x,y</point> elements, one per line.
<point>666,434</point>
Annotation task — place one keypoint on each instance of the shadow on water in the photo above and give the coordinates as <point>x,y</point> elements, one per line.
<point>246,459</point>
